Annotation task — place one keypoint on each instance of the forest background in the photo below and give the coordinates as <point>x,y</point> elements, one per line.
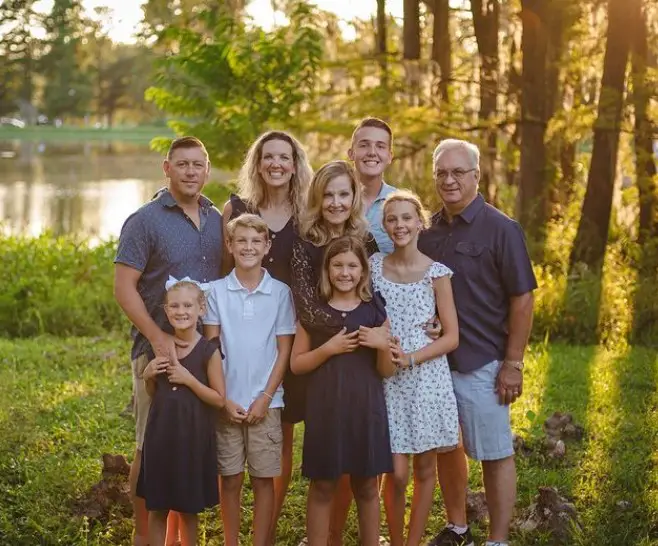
<point>560,95</point>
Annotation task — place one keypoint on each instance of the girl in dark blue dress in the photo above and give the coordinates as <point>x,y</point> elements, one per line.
<point>346,425</point>
<point>179,457</point>
<point>272,183</point>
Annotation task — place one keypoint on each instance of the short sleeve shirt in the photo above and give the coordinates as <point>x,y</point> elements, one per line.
<point>250,323</point>
<point>487,252</point>
<point>159,240</point>
<point>374,216</point>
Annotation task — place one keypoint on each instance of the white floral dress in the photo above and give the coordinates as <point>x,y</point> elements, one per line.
<point>421,405</point>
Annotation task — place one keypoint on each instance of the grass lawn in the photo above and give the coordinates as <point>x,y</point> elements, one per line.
<point>59,411</point>
<point>50,133</point>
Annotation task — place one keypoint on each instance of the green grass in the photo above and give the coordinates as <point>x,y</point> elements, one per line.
<point>59,411</point>
<point>72,133</point>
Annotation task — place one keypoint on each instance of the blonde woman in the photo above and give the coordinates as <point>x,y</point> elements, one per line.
<point>272,183</point>
<point>420,401</point>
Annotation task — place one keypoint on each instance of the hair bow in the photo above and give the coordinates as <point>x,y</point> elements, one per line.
<point>173,281</point>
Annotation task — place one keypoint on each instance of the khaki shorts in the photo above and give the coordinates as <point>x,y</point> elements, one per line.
<point>257,445</point>
<point>141,399</point>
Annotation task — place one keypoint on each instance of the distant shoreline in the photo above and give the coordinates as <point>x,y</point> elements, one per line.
<point>49,133</point>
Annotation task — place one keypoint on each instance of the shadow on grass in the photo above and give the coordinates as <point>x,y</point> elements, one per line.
<point>618,513</point>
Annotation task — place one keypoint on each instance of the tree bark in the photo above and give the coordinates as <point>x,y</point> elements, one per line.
<point>592,235</point>
<point>411,30</point>
<point>645,164</point>
<point>441,46</point>
<point>486,20</point>
<point>533,186</point>
<point>382,49</point>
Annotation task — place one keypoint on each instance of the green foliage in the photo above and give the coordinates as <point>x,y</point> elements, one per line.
<point>229,82</point>
<point>60,401</point>
<point>57,285</point>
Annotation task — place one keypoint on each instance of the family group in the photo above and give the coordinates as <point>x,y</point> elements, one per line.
<point>332,299</point>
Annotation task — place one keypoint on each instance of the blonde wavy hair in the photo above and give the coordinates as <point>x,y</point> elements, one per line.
<point>340,245</point>
<point>251,186</point>
<point>408,197</point>
<point>312,226</point>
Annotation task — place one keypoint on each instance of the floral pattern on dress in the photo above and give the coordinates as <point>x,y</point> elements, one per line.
<point>421,405</point>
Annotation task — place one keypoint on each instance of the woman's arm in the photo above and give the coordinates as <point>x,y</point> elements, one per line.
<point>447,313</point>
<point>385,365</point>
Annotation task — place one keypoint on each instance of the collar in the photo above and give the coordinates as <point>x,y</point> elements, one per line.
<point>468,214</point>
<point>264,287</point>
<point>167,200</point>
<point>384,191</point>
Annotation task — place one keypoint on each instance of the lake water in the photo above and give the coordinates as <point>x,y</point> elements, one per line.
<point>87,188</point>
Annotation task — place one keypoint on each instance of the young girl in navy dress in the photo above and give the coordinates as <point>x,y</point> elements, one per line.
<point>346,428</point>
<point>272,183</point>
<point>179,458</point>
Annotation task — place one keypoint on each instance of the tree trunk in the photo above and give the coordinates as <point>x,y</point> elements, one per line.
<point>441,46</point>
<point>592,235</point>
<point>533,186</point>
<point>645,165</point>
<point>411,45</point>
<point>382,49</point>
<point>486,17</point>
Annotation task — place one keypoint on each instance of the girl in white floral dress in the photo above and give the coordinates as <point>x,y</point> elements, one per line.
<point>422,410</point>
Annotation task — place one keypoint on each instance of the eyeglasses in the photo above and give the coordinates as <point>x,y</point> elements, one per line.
<point>457,174</point>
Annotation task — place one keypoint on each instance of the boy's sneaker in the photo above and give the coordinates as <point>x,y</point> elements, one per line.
<point>450,537</point>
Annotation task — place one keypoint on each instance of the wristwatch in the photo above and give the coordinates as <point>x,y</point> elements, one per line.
<point>518,364</point>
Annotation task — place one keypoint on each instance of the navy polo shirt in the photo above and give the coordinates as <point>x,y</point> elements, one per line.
<point>487,252</point>
<point>159,240</point>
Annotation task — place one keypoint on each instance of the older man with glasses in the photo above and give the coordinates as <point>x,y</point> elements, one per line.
<point>493,284</point>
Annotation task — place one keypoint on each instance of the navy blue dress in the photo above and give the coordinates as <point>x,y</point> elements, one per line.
<point>278,264</point>
<point>346,426</point>
<point>179,457</point>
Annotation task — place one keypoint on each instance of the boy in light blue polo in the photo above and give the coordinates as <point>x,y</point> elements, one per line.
<point>372,152</point>
<point>253,315</point>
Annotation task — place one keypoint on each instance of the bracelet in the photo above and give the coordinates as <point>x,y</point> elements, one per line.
<point>518,364</point>
<point>267,394</point>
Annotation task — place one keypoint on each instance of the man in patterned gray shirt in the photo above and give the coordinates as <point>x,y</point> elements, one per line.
<point>178,233</point>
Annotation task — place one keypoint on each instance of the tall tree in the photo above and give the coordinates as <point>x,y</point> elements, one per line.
<point>486,20</point>
<point>68,86</point>
<point>442,45</point>
<point>411,30</point>
<point>382,45</point>
<point>592,235</point>
<point>645,164</point>
<point>534,79</point>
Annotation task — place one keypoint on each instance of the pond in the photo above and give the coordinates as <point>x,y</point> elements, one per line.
<point>84,188</point>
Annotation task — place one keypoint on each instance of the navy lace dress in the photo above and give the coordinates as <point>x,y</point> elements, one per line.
<point>346,425</point>
<point>278,263</point>
<point>179,456</point>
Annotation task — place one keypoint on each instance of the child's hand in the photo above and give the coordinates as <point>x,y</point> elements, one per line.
<point>236,413</point>
<point>399,358</point>
<point>155,367</point>
<point>343,342</point>
<point>179,374</point>
<point>433,328</point>
<point>258,410</point>
<point>375,338</point>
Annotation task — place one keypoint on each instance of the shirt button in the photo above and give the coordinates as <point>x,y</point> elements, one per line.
<point>343,315</point>
<point>204,258</point>
<point>273,235</point>
<point>271,260</point>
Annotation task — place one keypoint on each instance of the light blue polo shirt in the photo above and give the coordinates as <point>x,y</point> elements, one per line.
<point>374,216</point>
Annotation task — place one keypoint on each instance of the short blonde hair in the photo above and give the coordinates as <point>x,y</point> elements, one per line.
<point>187,284</point>
<point>251,187</point>
<point>312,226</point>
<point>247,220</point>
<point>409,197</point>
<point>340,245</point>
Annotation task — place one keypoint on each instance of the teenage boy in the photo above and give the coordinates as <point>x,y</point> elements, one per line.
<point>371,151</point>
<point>254,316</point>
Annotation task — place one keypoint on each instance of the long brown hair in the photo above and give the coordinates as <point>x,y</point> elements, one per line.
<point>251,187</point>
<point>312,226</point>
<point>340,245</point>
